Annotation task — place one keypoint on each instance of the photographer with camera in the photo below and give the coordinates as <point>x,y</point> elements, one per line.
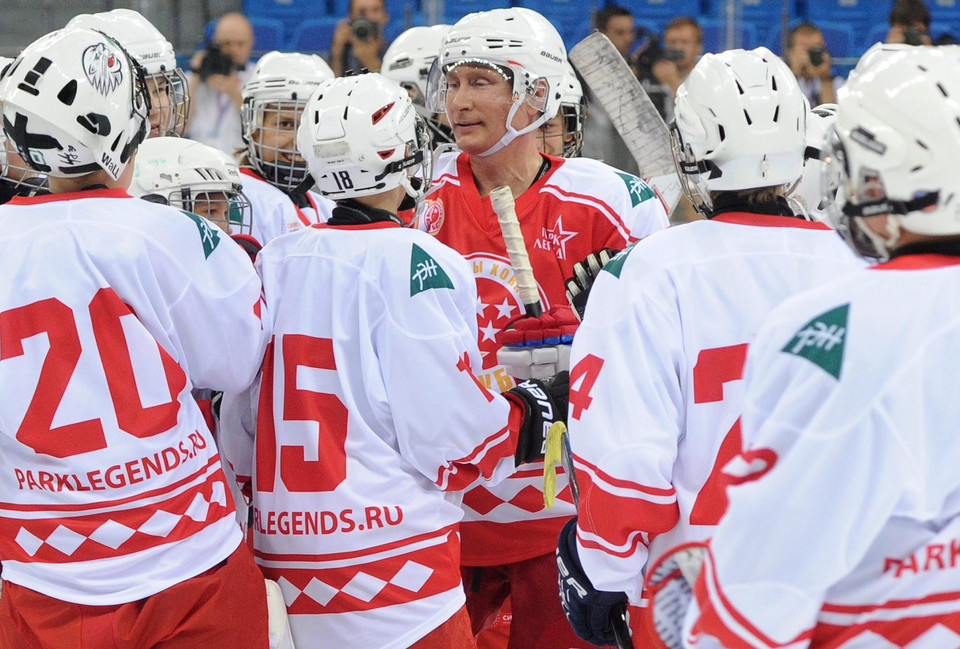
<point>909,23</point>
<point>358,41</point>
<point>218,72</point>
<point>810,61</point>
<point>682,47</point>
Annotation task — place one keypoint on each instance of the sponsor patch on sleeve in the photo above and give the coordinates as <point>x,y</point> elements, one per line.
<point>639,190</point>
<point>425,272</point>
<point>821,341</point>
<point>209,234</point>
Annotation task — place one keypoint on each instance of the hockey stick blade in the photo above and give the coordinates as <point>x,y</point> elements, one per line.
<point>503,204</point>
<point>632,113</point>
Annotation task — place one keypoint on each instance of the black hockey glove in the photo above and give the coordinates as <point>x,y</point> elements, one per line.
<point>591,612</point>
<point>544,402</point>
<point>584,275</point>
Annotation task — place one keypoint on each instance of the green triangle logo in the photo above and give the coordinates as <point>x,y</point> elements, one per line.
<point>639,190</point>
<point>821,340</point>
<point>615,265</point>
<point>209,234</point>
<point>425,272</point>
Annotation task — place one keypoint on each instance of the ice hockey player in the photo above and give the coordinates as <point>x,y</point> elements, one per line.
<point>562,134</point>
<point>166,83</point>
<point>844,392</point>
<point>495,99</point>
<point>116,524</point>
<point>273,101</point>
<point>655,392</point>
<point>371,418</point>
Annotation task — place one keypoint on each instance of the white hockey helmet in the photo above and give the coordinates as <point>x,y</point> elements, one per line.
<point>14,172</point>
<point>407,62</point>
<point>361,136</point>
<point>740,124</point>
<point>273,100</point>
<point>810,195</point>
<point>169,91</point>
<point>75,103</point>
<point>521,45</point>
<point>897,162</point>
<point>195,177</point>
<point>573,110</point>
<point>878,52</point>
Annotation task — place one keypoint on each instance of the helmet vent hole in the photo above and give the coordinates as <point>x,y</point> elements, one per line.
<point>776,113</point>
<point>747,115</point>
<point>116,142</point>
<point>916,169</point>
<point>723,133</point>
<point>922,145</point>
<point>922,69</point>
<point>773,83</point>
<point>384,155</point>
<point>739,87</point>
<point>943,90</point>
<point>68,93</point>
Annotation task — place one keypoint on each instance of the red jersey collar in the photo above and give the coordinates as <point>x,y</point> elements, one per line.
<point>70,196</point>
<point>769,221</point>
<point>525,201</point>
<point>247,171</point>
<point>921,261</point>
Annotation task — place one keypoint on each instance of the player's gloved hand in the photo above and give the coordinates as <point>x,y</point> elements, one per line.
<point>538,348</point>
<point>544,402</point>
<point>589,611</point>
<point>669,590</point>
<point>584,275</point>
<point>249,244</point>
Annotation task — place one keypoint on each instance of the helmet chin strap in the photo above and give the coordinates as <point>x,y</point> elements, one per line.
<point>513,133</point>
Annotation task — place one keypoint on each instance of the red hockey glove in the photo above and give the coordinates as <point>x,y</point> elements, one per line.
<point>538,348</point>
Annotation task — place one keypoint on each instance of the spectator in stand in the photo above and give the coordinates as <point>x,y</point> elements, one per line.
<point>601,140</point>
<point>682,47</point>
<point>810,62</point>
<point>217,76</point>
<point>358,42</point>
<point>909,23</point>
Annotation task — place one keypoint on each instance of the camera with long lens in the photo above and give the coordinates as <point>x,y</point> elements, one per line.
<point>215,62</point>
<point>364,29</point>
<point>913,36</point>
<point>816,55</point>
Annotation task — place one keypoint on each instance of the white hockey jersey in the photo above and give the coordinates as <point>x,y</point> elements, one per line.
<point>853,538</point>
<point>111,310</point>
<point>319,210</point>
<point>577,207</point>
<point>369,418</point>
<point>655,395</point>
<point>274,214</point>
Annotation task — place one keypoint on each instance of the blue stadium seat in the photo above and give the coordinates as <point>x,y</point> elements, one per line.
<point>662,11</point>
<point>944,11</point>
<point>454,10</point>
<point>859,15</point>
<point>314,35</point>
<point>280,9</point>
<point>715,35</point>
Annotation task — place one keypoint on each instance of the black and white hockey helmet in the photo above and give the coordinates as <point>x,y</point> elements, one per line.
<point>75,103</point>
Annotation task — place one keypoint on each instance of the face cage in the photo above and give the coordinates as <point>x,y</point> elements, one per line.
<point>288,170</point>
<point>571,131</point>
<point>234,205</point>
<point>168,118</point>
<point>439,132</point>
<point>17,175</point>
<point>419,167</point>
<point>690,171</point>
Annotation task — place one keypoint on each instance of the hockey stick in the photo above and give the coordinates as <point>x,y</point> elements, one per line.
<point>501,199</point>
<point>559,452</point>
<point>632,113</point>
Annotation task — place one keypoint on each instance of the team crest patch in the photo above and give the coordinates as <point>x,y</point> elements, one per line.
<point>639,190</point>
<point>103,68</point>
<point>615,265</point>
<point>432,216</point>
<point>821,341</point>
<point>209,234</point>
<point>425,272</point>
